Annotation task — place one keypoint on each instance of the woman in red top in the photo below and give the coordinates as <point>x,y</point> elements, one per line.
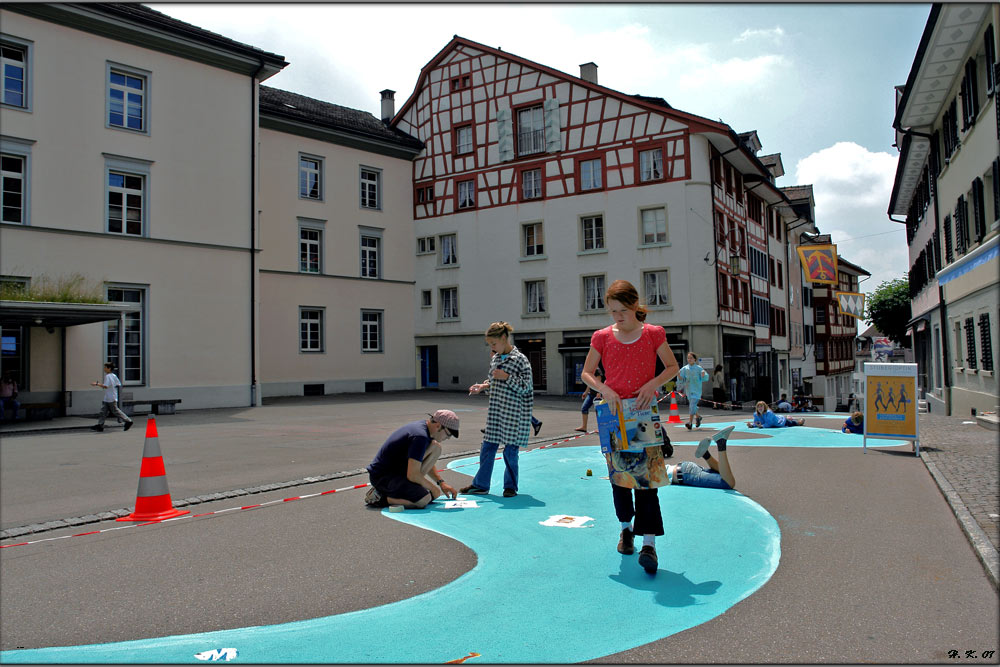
<point>629,349</point>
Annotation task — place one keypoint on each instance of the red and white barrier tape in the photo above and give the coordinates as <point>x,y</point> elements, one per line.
<point>247,507</point>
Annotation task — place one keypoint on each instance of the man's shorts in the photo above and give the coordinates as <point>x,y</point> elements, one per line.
<point>695,475</point>
<point>397,486</point>
<point>693,402</point>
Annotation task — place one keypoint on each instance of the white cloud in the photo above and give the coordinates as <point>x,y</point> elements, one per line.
<point>771,34</point>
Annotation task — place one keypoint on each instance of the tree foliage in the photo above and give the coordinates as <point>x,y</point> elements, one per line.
<point>888,308</point>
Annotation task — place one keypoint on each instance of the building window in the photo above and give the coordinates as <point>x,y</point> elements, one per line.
<point>820,315</point>
<point>310,329</point>
<point>425,194</point>
<point>467,194</point>
<point>310,250</point>
<point>133,343</point>
<point>371,191</point>
<point>530,131</point>
<point>425,298</point>
<point>371,253</point>
<point>463,139</point>
<point>781,274</point>
<point>14,62</point>
<point>761,311</point>
<point>990,49</point>
<point>534,297</point>
<point>310,177</point>
<point>460,82</point>
<point>13,173</point>
<point>534,240</point>
<point>449,250</point>
<point>650,165</point>
<point>592,232</point>
<point>657,288</point>
<point>970,343</point>
<point>448,298</point>
<point>531,183</point>
<point>723,290</point>
<point>127,99</point>
<point>371,331</point>
<point>126,203</point>
<point>985,341</point>
<point>809,334</point>
<point>593,293</point>
<point>654,225</point>
<point>425,245</point>
<point>590,174</point>
<point>969,95</point>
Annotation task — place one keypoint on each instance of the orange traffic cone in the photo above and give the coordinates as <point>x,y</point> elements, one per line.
<point>152,500</point>
<point>675,414</point>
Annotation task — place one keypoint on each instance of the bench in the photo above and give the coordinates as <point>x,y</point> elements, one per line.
<point>40,410</point>
<point>158,406</point>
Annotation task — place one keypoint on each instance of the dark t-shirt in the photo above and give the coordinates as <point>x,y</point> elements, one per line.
<point>407,442</point>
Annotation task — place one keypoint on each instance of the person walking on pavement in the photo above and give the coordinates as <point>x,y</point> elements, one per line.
<point>719,387</point>
<point>508,419</point>
<point>109,406</point>
<point>689,380</point>
<point>8,396</point>
<point>628,350</point>
<point>588,401</point>
<point>403,470</point>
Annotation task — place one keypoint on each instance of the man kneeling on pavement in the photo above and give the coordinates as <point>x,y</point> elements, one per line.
<point>403,471</point>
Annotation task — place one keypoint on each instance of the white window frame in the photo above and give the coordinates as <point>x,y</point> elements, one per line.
<point>463,140</point>
<point>531,141</point>
<point>532,240</point>
<point>317,226</point>
<point>448,305</point>
<point>128,71</point>
<point>448,250</point>
<point>426,245</point>
<point>370,249</point>
<point>661,278</point>
<point>27,89</point>
<point>592,293</point>
<point>656,232</point>
<point>589,229</point>
<point>372,327</point>
<point>535,298</point>
<point>306,171</point>
<point>466,194</point>
<point>594,166</point>
<point>531,188</point>
<point>313,318</point>
<point>129,167</point>
<point>19,149</point>
<point>370,180</point>
<point>113,325</point>
<point>650,161</point>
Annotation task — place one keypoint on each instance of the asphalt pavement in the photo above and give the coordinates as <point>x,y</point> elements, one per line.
<point>876,565</point>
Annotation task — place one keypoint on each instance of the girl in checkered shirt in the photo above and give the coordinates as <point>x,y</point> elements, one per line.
<point>508,421</point>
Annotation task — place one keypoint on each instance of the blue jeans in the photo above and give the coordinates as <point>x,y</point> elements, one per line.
<point>486,455</point>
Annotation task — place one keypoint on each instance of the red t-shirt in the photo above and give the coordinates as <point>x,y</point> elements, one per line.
<point>628,366</point>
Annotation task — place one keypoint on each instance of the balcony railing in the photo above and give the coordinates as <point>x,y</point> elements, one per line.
<point>532,141</point>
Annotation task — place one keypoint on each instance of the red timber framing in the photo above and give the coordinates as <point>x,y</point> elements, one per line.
<point>731,240</point>
<point>524,115</point>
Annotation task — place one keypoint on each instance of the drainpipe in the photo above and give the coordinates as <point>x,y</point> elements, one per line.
<point>254,398</point>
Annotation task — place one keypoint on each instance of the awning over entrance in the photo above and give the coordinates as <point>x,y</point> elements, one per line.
<point>49,314</point>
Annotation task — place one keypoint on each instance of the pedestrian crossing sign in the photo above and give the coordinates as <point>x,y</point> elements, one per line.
<point>891,402</point>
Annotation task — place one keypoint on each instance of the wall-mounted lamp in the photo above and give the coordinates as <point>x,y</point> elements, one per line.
<point>734,265</point>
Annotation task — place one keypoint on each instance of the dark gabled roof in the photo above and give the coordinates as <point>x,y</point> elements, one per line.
<point>658,101</point>
<point>770,160</point>
<point>798,191</point>
<point>296,107</point>
<point>852,266</point>
<point>148,15</point>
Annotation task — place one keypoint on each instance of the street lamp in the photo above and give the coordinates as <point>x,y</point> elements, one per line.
<point>734,264</point>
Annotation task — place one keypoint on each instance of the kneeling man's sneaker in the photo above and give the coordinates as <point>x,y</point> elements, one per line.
<point>647,559</point>
<point>374,498</point>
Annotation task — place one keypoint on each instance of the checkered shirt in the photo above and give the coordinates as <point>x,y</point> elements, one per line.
<point>508,421</point>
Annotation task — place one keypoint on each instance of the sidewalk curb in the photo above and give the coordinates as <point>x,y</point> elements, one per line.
<point>108,515</point>
<point>980,543</point>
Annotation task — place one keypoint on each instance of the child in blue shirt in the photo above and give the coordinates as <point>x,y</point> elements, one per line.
<point>763,417</point>
<point>689,381</point>
<point>854,424</point>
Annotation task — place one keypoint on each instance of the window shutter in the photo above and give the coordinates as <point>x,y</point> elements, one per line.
<point>989,46</point>
<point>949,255</point>
<point>553,128</point>
<point>505,135</point>
<point>978,204</point>
<point>960,240</point>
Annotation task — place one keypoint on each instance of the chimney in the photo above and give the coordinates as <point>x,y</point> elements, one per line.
<point>588,72</point>
<point>388,105</point>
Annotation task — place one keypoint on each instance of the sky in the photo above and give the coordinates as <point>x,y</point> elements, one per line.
<point>816,81</point>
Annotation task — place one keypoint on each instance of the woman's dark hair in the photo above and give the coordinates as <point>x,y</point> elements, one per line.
<point>625,293</point>
<point>718,367</point>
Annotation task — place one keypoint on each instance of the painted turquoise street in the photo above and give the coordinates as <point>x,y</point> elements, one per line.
<point>536,591</point>
<point>786,436</point>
